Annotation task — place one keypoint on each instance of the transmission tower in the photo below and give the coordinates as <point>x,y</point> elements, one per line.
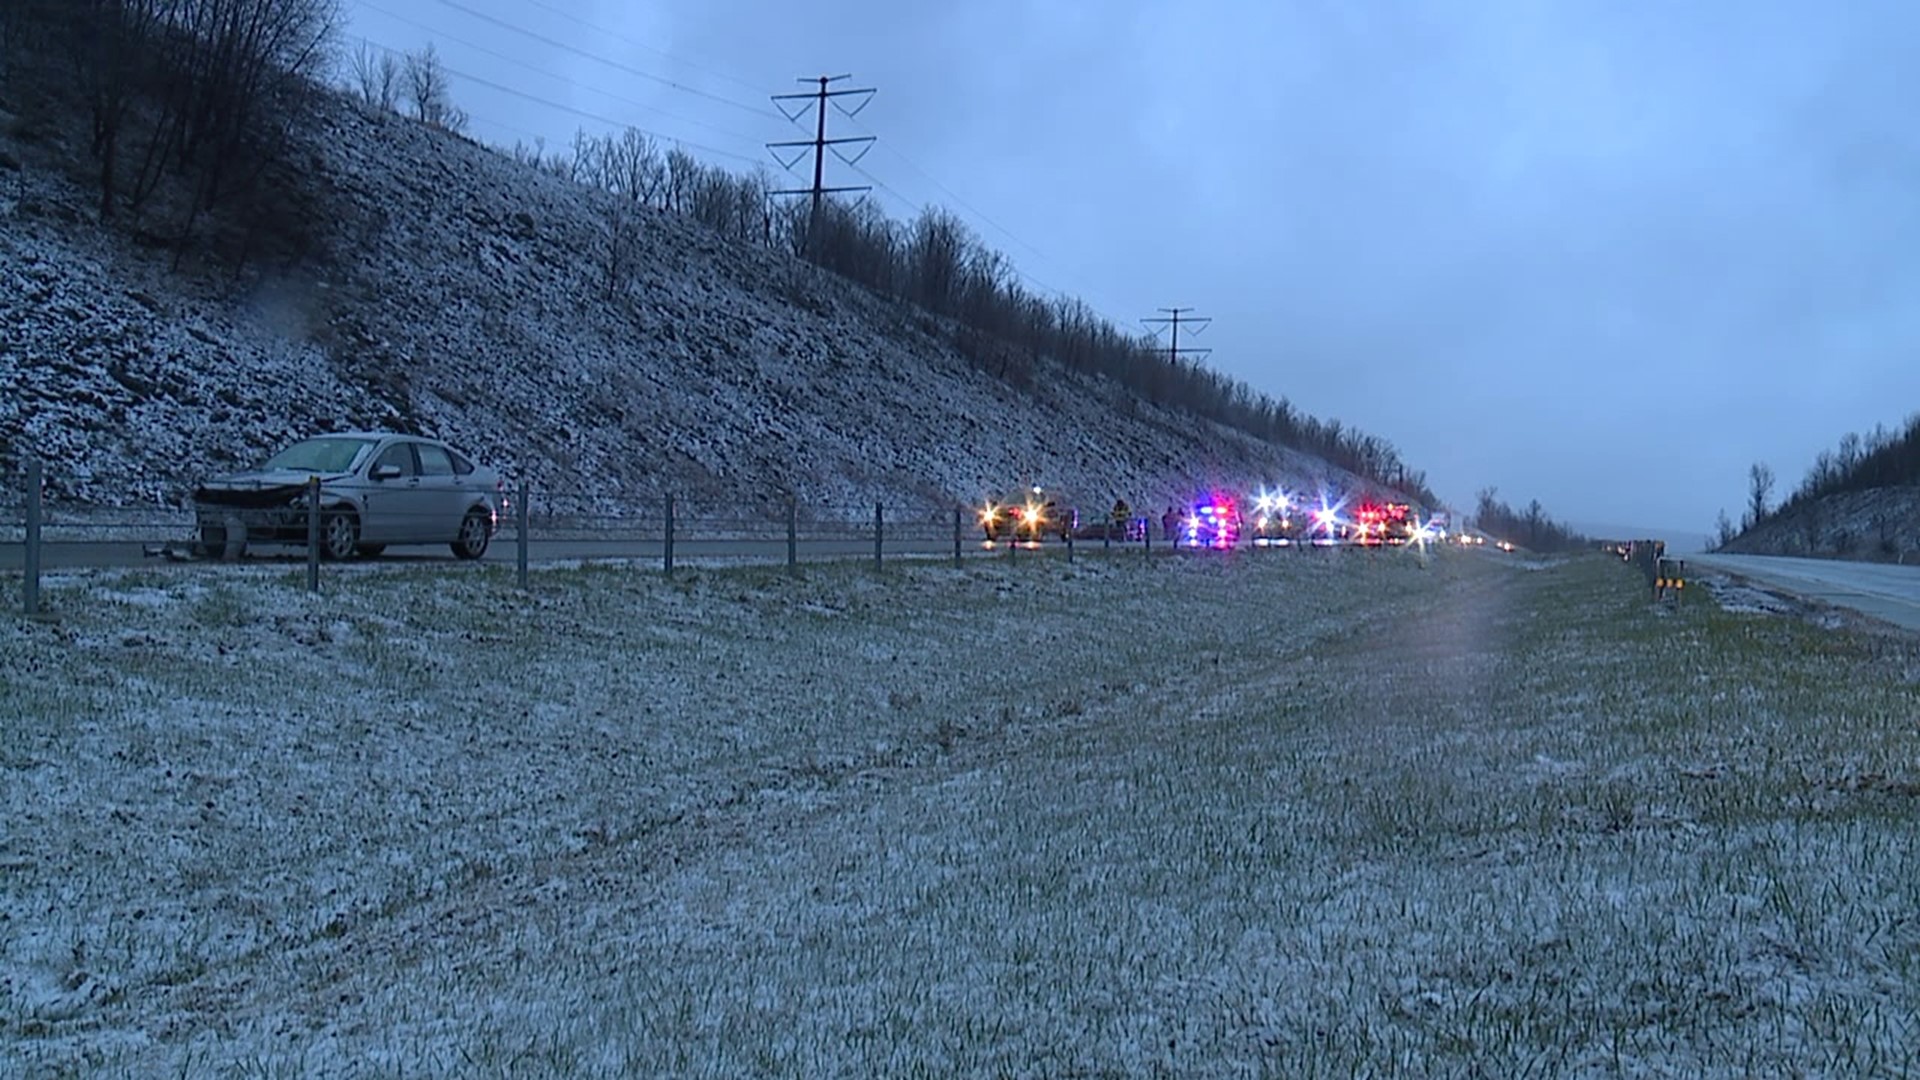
<point>818,100</point>
<point>1177,317</point>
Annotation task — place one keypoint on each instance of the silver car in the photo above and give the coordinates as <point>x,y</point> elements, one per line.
<point>376,488</point>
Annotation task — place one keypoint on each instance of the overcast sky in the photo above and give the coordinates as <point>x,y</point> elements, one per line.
<point>1602,254</point>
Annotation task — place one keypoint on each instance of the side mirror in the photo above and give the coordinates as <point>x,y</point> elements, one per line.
<point>386,472</point>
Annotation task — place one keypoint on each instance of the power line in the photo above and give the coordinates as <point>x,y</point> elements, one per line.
<point>638,44</point>
<point>975,211</point>
<point>551,75</point>
<point>1026,277</point>
<point>617,65</point>
<point>538,100</point>
<point>1173,318</point>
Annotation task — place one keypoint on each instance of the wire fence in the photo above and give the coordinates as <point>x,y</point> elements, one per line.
<point>407,518</point>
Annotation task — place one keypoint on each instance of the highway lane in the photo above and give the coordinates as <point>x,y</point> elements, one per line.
<point>1882,590</point>
<point>83,554</point>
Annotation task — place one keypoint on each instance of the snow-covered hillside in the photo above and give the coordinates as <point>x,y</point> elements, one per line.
<point>458,293</point>
<point>1879,524</point>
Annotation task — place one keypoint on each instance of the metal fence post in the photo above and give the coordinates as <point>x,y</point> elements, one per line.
<point>956,536</point>
<point>793,534</point>
<point>30,586</point>
<point>667,555</point>
<point>877,525</point>
<point>313,534</point>
<point>525,515</point>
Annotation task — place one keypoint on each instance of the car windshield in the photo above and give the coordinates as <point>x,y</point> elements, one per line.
<point>329,455</point>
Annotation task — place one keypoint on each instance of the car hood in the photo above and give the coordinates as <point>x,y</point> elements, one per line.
<point>262,478</point>
<point>258,488</point>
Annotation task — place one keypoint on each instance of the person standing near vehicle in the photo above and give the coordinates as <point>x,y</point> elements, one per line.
<point>1169,523</point>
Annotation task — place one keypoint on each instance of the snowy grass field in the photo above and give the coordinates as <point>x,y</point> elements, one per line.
<point>1287,814</point>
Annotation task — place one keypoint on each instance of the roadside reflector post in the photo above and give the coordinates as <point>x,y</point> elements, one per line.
<point>877,525</point>
<point>30,583</point>
<point>313,534</point>
<point>666,555</point>
<point>1669,579</point>
<point>793,534</point>
<point>523,518</point>
<point>956,536</point>
<point>1073,522</point>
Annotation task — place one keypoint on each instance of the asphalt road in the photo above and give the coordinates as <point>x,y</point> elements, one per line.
<point>1885,591</point>
<point>70,555</point>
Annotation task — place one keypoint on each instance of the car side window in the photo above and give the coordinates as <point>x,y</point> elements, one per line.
<point>460,465</point>
<point>400,454</point>
<point>434,460</point>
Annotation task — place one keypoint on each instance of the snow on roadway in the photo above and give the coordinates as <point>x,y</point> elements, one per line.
<point>1296,812</point>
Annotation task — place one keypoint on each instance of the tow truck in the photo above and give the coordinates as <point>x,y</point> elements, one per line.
<point>1032,517</point>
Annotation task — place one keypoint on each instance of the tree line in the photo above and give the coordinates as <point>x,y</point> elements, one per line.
<point>1883,457</point>
<point>188,103</point>
<point>1530,528</point>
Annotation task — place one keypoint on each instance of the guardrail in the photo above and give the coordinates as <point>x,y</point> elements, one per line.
<point>532,524</point>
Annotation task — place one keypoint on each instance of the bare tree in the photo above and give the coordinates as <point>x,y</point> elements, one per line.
<point>636,169</point>
<point>530,156</point>
<point>1759,493</point>
<point>429,90</point>
<point>622,220</point>
<point>111,63</point>
<point>589,163</point>
<point>375,76</point>
<point>683,172</point>
<point>1724,532</point>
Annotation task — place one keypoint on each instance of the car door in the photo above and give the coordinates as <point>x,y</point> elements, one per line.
<point>391,506</point>
<point>444,496</point>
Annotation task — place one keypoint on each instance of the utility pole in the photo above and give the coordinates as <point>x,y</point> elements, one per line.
<point>818,100</point>
<point>1174,317</point>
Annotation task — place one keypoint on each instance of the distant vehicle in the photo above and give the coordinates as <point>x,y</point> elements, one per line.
<point>376,489</point>
<point>1213,522</point>
<point>1033,516</point>
<point>1277,522</point>
<point>1384,523</point>
<point>1120,524</point>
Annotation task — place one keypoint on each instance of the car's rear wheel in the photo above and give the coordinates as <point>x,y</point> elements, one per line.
<point>475,532</point>
<point>339,534</point>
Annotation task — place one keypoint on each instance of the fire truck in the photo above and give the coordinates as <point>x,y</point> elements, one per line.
<point>1377,523</point>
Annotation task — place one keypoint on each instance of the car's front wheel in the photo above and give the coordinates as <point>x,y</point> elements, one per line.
<point>339,534</point>
<point>475,531</point>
